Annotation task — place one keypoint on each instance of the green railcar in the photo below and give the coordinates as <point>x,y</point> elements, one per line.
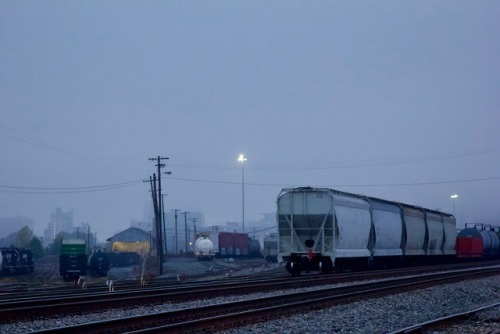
<point>73,260</point>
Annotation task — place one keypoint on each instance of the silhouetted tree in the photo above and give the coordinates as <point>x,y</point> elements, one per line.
<point>23,237</point>
<point>36,247</point>
<point>55,247</point>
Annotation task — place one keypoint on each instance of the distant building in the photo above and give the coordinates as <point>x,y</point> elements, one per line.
<point>131,240</point>
<point>59,222</point>
<point>233,227</point>
<point>9,225</point>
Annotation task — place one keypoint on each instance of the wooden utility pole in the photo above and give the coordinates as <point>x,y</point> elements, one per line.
<point>186,230</point>
<point>157,223</point>
<point>175,231</point>
<point>157,202</point>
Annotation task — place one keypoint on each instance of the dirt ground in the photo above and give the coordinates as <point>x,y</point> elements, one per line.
<point>189,267</point>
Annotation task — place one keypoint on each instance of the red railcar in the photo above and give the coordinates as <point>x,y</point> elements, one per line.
<point>233,244</point>
<point>469,247</point>
<point>477,241</point>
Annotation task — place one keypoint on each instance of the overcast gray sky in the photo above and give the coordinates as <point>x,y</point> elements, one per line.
<point>392,99</point>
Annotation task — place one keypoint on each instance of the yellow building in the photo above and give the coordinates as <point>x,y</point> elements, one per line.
<point>131,240</point>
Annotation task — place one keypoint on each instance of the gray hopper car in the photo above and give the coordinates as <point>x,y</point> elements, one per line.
<point>328,230</point>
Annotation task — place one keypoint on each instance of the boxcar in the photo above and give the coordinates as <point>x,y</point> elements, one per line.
<point>233,244</point>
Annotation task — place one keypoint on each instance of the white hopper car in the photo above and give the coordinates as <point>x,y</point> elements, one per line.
<point>327,230</point>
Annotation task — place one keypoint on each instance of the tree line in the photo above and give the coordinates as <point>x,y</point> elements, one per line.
<point>25,238</point>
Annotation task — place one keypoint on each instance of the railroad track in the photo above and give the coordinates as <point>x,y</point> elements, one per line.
<point>68,299</point>
<point>25,286</point>
<point>445,321</point>
<point>226,316</point>
<point>47,272</point>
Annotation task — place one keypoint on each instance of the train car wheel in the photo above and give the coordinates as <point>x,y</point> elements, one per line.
<point>326,266</point>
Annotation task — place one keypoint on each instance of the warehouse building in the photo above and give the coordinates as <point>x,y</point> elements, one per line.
<point>132,239</point>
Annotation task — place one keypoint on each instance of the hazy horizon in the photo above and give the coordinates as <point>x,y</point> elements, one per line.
<point>395,100</point>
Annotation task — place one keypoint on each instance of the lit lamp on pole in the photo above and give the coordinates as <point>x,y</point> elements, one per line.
<point>454,197</point>
<point>242,159</point>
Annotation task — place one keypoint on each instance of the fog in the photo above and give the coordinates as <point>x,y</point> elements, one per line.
<point>396,100</point>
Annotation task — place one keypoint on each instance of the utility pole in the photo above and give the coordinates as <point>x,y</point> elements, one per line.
<point>158,211</point>
<point>164,226</point>
<point>175,232</point>
<point>194,227</point>
<point>186,229</point>
<point>157,223</point>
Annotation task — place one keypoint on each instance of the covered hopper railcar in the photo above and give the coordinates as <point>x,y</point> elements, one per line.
<point>327,230</point>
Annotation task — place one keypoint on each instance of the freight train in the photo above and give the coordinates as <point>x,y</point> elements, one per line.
<point>226,244</point>
<point>123,259</point>
<point>327,230</point>
<point>74,261</point>
<point>15,261</point>
<point>99,263</point>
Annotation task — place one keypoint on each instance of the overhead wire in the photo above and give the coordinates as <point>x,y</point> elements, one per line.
<point>340,165</point>
<point>337,185</point>
<point>349,164</point>
<point>296,166</point>
<point>86,157</point>
<point>67,190</point>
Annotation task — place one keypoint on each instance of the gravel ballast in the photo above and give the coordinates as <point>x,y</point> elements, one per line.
<point>375,315</point>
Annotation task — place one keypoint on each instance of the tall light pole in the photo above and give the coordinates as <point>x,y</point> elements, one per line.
<point>454,197</point>
<point>242,159</point>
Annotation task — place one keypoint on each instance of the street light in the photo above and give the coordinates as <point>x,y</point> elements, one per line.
<point>242,159</point>
<point>454,196</point>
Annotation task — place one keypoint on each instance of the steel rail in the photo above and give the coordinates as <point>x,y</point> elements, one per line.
<point>229,315</point>
<point>130,285</point>
<point>92,301</point>
<point>451,319</point>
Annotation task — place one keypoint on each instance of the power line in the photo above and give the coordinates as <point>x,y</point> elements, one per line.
<point>107,187</point>
<point>352,164</point>
<point>340,185</point>
<point>404,160</point>
<point>89,158</point>
<point>66,190</point>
